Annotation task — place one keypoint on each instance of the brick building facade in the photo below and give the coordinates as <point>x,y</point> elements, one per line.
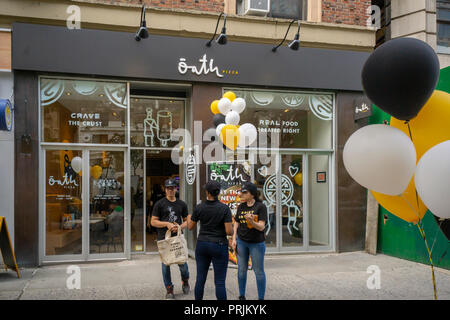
<point>345,11</point>
<point>199,5</point>
<point>350,12</point>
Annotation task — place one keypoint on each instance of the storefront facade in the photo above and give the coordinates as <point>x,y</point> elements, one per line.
<point>131,113</point>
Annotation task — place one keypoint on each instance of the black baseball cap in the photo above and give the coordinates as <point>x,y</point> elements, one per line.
<point>213,187</point>
<point>170,183</point>
<point>250,187</point>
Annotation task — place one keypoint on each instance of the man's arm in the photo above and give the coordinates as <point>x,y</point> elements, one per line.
<point>191,224</point>
<point>161,224</point>
<point>184,224</point>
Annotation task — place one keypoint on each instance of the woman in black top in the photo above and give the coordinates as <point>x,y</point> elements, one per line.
<point>249,237</point>
<point>212,245</point>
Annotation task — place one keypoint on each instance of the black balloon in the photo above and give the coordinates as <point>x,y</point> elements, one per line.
<point>400,76</point>
<point>218,119</point>
<point>444,225</point>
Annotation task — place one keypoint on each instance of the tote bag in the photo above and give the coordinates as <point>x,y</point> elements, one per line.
<point>173,250</point>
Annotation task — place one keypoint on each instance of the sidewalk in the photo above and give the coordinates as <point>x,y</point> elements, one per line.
<point>289,277</point>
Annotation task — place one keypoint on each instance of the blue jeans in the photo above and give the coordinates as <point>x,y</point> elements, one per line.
<point>256,251</point>
<point>166,273</point>
<point>205,252</point>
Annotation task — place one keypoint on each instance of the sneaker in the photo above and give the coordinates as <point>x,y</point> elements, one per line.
<point>186,287</point>
<point>242,298</point>
<point>169,294</point>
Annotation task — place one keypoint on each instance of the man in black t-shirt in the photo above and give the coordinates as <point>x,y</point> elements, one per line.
<point>168,213</point>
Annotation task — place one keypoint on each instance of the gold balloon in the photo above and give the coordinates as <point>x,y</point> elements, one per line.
<point>429,128</point>
<point>400,206</point>
<point>230,95</point>
<point>229,135</point>
<point>215,107</point>
<point>96,171</point>
<point>298,178</point>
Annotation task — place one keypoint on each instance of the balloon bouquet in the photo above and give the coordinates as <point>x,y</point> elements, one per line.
<point>226,121</point>
<point>400,77</point>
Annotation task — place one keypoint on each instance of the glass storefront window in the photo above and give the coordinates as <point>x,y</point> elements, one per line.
<point>319,206</point>
<point>137,200</point>
<point>153,121</point>
<point>107,210</point>
<point>63,203</point>
<point>79,111</point>
<point>299,120</point>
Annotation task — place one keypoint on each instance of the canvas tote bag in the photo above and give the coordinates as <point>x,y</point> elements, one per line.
<point>173,250</point>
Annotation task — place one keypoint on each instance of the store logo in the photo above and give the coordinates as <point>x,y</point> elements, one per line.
<point>67,181</point>
<point>226,174</point>
<point>205,67</point>
<point>364,108</point>
<point>190,169</point>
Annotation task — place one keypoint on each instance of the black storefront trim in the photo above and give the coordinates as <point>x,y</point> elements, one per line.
<point>109,53</point>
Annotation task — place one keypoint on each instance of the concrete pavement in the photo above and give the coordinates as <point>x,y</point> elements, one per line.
<point>289,277</point>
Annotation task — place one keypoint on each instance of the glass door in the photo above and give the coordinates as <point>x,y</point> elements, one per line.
<point>292,188</point>
<point>63,205</point>
<point>265,178</point>
<point>107,214</point>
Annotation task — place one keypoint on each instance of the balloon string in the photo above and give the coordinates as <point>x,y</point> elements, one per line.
<point>402,196</point>
<point>410,135</point>
<point>431,261</point>
<point>422,233</point>
<point>409,129</point>
<point>435,236</point>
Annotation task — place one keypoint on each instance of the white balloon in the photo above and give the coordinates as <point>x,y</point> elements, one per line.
<point>76,164</point>
<point>432,179</point>
<point>248,135</point>
<point>219,129</point>
<point>238,105</point>
<point>224,106</point>
<point>232,117</point>
<point>380,158</point>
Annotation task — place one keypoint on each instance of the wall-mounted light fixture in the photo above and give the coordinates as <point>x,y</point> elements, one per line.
<point>222,38</point>
<point>142,32</point>
<point>294,44</point>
